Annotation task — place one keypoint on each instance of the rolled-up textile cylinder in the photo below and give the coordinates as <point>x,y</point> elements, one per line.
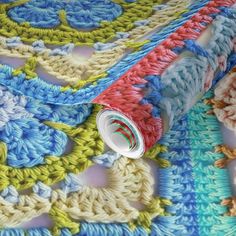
<point>148,89</point>
<point>166,83</point>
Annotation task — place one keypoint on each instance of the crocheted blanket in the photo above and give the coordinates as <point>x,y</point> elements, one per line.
<point>41,74</point>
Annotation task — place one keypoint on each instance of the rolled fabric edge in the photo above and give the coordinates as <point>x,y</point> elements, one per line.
<point>129,94</point>
<point>120,133</point>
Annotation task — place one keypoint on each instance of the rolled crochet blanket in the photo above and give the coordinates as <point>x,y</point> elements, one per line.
<point>135,68</point>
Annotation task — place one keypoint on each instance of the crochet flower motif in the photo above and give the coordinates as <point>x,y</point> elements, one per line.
<point>81,14</point>
<point>225,101</point>
<point>28,140</point>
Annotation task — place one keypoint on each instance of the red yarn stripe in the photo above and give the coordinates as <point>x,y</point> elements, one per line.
<point>125,98</point>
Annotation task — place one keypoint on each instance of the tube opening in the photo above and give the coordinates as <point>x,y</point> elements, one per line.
<point>120,133</point>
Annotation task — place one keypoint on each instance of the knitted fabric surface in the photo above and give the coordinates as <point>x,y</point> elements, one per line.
<point>46,96</point>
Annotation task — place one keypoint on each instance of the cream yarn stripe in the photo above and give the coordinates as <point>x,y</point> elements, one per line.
<point>128,181</point>
<point>69,71</point>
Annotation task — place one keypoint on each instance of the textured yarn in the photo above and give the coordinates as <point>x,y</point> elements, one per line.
<point>224,102</point>
<point>50,96</point>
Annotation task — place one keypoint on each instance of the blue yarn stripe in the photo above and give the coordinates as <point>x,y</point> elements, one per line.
<point>183,195</point>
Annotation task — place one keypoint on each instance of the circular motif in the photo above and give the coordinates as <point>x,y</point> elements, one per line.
<point>79,14</point>
<point>43,14</point>
<point>89,13</point>
<point>27,138</point>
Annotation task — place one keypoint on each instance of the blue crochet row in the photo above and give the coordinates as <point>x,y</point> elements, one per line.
<point>199,187</point>
<point>28,139</point>
<point>41,90</point>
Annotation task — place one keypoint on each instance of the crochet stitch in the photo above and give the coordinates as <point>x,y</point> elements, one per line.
<point>186,179</point>
<point>224,102</point>
<point>48,132</point>
<point>147,60</point>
